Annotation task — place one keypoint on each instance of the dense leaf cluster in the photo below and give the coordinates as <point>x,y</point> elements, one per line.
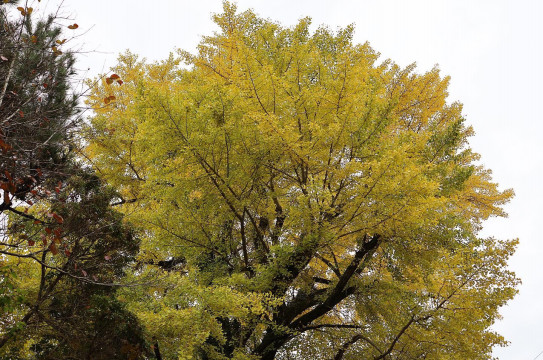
<point>331,200</point>
<point>62,246</point>
<point>281,195</point>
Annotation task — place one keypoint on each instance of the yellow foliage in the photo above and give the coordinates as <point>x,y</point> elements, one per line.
<point>272,159</point>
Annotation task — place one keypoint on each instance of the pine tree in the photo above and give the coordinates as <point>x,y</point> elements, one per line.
<point>62,245</point>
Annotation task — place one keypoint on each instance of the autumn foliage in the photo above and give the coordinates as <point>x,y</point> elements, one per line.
<point>281,193</point>
<point>301,199</point>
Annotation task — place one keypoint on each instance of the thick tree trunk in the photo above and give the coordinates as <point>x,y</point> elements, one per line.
<point>288,314</point>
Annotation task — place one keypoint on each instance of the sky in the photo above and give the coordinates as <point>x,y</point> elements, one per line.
<point>493,51</point>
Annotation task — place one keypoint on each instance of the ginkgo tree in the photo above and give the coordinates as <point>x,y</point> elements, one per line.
<point>302,200</point>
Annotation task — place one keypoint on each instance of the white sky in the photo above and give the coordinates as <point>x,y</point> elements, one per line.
<point>493,50</point>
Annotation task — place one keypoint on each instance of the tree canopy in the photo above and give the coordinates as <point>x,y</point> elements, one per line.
<point>289,195</point>
<point>313,202</point>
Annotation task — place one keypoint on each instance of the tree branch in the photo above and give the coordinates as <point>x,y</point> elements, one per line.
<point>340,291</point>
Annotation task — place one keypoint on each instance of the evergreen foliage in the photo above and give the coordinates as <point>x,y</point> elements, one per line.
<point>62,246</point>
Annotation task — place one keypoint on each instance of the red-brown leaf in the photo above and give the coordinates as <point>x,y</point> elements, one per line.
<point>53,248</point>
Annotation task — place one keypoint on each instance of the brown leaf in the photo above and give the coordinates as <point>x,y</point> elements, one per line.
<point>73,27</point>
<point>7,200</point>
<point>114,77</point>
<point>5,147</point>
<point>56,51</point>
<point>109,99</point>
<point>58,218</point>
<point>53,248</point>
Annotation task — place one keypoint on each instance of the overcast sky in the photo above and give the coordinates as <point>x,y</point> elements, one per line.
<point>493,50</point>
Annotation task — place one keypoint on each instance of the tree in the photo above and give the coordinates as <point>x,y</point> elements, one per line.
<point>313,203</point>
<point>69,308</point>
<point>62,246</point>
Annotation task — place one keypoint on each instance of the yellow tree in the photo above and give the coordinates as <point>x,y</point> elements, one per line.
<point>303,200</point>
